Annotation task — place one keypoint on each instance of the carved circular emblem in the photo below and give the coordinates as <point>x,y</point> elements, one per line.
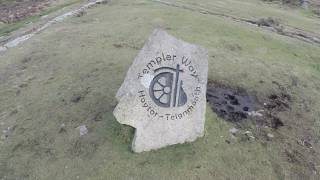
<point>166,88</point>
<point>171,87</point>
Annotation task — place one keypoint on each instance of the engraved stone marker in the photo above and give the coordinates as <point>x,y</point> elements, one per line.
<point>163,94</point>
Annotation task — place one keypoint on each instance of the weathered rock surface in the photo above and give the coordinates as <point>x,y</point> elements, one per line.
<point>163,94</point>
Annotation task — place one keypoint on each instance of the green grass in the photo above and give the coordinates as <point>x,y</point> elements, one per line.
<point>256,9</point>
<point>316,67</point>
<point>6,29</point>
<point>39,78</point>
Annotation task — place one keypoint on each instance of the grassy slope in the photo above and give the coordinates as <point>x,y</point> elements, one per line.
<point>255,9</point>
<point>79,56</point>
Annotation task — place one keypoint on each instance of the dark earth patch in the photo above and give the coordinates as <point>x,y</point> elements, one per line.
<point>236,104</point>
<point>230,104</point>
<point>278,102</point>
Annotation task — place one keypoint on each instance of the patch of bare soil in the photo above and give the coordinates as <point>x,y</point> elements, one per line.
<point>16,10</point>
<point>237,104</point>
<point>262,118</point>
<point>230,104</point>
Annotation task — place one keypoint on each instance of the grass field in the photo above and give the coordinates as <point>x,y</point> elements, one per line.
<point>86,58</point>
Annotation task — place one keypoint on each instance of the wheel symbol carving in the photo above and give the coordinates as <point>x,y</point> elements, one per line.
<point>166,88</point>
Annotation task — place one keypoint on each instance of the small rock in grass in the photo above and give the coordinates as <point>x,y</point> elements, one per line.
<point>62,128</point>
<point>83,130</point>
<point>270,135</point>
<point>255,113</point>
<point>2,49</point>
<point>233,130</point>
<point>249,134</point>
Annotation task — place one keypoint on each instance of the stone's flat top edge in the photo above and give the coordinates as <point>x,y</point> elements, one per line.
<point>159,32</point>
